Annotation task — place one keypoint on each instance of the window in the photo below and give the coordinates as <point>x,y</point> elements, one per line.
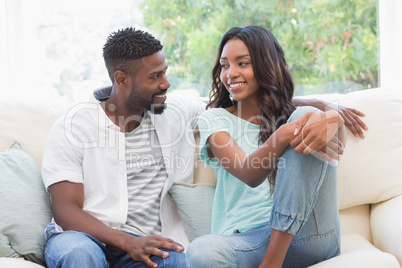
<point>54,48</point>
<point>330,46</point>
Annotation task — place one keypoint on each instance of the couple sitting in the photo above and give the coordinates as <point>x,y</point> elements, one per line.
<point>108,166</point>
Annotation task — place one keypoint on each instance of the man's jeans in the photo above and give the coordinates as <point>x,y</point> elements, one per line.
<point>75,249</point>
<point>305,205</point>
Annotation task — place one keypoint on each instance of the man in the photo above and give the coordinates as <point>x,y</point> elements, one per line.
<point>108,165</point>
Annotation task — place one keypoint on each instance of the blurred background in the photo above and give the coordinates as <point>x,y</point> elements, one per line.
<point>53,48</point>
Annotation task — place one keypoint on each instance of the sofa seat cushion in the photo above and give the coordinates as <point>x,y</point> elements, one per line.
<point>356,251</point>
<point>356,220</point>
<point>17,263</point>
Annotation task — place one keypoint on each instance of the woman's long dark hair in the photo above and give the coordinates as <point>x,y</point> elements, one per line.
<point>272,74</point>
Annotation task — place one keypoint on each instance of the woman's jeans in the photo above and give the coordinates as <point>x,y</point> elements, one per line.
<point>80,250</point>
<point>305,205</point>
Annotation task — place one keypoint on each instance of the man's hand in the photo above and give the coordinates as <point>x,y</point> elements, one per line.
<point>352,120</point>
<point>350,116</point>
<point>317,134</point>
<point>142,248</point>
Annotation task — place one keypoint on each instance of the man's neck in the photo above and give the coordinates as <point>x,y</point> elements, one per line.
<point>127,120</point>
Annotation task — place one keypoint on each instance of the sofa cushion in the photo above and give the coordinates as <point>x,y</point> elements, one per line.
<point>368,171</point>
<point>25,206</point>
<point>358,252</point>
<point>356,220</point>
<point>386,222</point>
<point>194,202</point>
<point>17,263</point>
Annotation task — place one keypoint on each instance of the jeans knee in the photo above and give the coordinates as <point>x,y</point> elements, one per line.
<point>175,259</point>
<point>301,111</point>
<point>75,251</point>
<point>210,251</point>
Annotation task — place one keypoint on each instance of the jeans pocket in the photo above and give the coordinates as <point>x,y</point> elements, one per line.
<point>251,239</point>
<point>313,249</point>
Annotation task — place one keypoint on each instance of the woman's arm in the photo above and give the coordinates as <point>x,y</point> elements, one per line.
<point>252,168</point>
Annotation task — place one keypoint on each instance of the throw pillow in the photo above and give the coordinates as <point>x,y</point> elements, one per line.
<point>25,206</point>
<point>194,202</point>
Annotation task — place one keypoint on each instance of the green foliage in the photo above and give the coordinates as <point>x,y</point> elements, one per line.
<point>330,45</point>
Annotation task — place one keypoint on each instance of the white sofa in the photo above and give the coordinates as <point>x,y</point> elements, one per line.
<point>369,181</point>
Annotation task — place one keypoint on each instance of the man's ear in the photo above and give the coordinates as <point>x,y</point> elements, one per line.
<point>121,78</point>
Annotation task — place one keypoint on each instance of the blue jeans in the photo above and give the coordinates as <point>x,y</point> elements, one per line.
<point>305,205</point>
<point>75,249</point>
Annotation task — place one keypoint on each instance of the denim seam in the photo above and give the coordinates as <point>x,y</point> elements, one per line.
<point>324,167</point>
<point>329,233</point>
<point>318,236</point>
<point>308,212</point>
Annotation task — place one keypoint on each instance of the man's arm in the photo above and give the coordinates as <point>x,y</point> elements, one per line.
<point>67,203</point>
<point>350,116</point>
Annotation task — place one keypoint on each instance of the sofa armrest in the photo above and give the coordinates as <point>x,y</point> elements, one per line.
<point>386,222</point>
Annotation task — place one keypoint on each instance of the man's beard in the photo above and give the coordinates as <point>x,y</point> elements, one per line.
<point>137,100</point>
<point>157,108</point>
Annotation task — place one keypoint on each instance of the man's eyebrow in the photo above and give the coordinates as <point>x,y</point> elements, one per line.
<point>158,72</point>
<point>238,57</point>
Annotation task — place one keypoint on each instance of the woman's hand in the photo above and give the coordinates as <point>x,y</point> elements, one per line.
<point>317,133</point>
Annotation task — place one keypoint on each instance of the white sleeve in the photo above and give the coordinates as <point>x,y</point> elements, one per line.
<point>62,159</point>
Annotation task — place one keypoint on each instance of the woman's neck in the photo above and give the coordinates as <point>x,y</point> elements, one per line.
<point>246,111</point>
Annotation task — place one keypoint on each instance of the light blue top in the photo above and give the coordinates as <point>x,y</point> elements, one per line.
<point>236,205</point>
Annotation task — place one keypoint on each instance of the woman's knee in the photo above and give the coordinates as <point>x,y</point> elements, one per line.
<point>210,251</point>
<point>301,111</point>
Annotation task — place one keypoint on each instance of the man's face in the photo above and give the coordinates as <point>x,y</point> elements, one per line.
<point>149,87</point>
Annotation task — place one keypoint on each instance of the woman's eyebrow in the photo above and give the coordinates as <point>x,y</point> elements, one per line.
<point>238,57</point>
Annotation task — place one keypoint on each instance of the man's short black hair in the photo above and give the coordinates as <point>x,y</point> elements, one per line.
<point>125,46</point>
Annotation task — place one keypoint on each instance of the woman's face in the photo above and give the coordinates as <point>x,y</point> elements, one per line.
<point>237,71</point>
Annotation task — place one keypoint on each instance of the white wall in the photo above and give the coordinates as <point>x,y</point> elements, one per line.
<point>390,32</point>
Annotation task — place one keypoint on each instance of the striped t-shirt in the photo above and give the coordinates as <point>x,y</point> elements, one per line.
<point>146,175</point>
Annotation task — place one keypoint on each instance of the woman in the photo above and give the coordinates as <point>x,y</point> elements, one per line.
<point>290,219</point>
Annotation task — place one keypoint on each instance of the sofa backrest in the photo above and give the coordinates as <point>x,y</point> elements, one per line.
<point>369,170</point>
<point>29,124</point>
